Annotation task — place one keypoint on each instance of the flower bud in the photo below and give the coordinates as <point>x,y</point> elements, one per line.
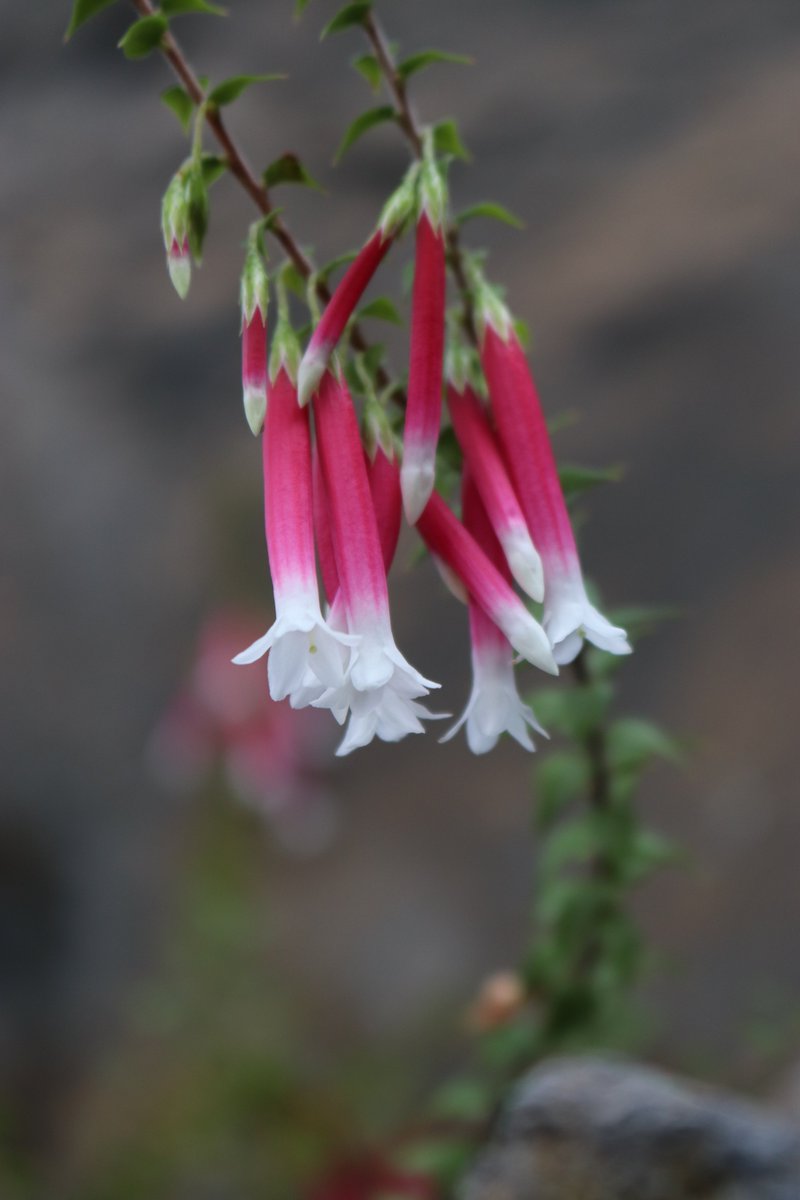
<point>175,230</point>
<point>254,296</point>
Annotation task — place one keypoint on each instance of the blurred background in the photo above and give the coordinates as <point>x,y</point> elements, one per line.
<point>179,944</point>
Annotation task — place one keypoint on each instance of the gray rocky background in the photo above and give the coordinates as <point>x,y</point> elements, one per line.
<point>651,146</point>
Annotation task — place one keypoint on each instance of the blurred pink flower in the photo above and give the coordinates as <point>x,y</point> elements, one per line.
<point>272,756</point>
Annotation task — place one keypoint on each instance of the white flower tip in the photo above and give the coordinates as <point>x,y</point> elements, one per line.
<point>255,407</point>
<point>180,273</point>
<point>416,483</point>
<point>451,581</point>
<point>525,565</point>
<point>531,641</point>
<point>258,649</point>
<point>312,368</point>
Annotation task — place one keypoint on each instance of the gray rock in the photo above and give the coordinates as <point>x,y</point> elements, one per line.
<point>599,1129</point>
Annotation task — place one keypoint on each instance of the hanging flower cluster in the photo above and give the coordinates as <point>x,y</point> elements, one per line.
<point>334,495</point>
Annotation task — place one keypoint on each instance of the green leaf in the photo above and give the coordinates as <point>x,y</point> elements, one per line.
<point>575,842</point>
<point>351,14</point>
<point>82,11</point>
<point>382,309</point>
<point>368,119</point>
<point>447,140</point>
<point>643,619</point>
<point>632,742</point>
<point>368,66</point>
<point>289,169</point>
<point>649,851</point>
<point>175,8</point>
<point>300,7</point>
<point>560,778</point>
<point>573,711</point>
<point>495,212</point>
<point>143,36</point>
<point>230,89</point>
<point>180,102</point>
<point>212,167</point>
<point>426,58</point>
<point>576,480</point>
<point>340,261</point>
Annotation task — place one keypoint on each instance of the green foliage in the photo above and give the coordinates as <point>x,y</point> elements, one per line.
<point>212,167</point>
<point>577,480</point>
<point>560,778</point>
<point>426,58</point>
<point>178,100</point>
<point>83,11</point>
<point>230,89</point>
<point>368,120</point>
<point>351,14</point>
<point>176,8</point>
<point>368,66</point>
<point>575,711</point>
<point>144,36</point>
<point>289,169</point>
<point>447,141</point>
<point>495,212</point>
<point>380,309</point>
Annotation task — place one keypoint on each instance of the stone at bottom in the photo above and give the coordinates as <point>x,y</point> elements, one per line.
<point>599,1129</point>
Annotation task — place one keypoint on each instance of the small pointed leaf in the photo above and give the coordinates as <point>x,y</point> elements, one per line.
<point>340,261</point>
<point>143,36</point>
<point>368,66</point>
<point>373,116</point>
<point>351,14</point>
<point>632,742</point>
<point>289,169</point>
<point>212,167</point>
<point>496,212</point>
<point>300,7</point>
<point>426,58</point>
<point>381,309</point>
<point>231,89</point>
<point>180,102</point>
<point>447,140</point>
<point>175,8</point>
<point>576,480</point>
<point>82,11</point>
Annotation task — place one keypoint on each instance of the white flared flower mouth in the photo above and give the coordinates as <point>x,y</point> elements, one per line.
<point>380,692</point>
<point>569,617</point>
<point>306,656</point>
<point>494,708</point>
<point>385,714</point>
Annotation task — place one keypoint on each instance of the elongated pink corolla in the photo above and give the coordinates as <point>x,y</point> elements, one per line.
<point>381,686</point>
<point>490,476</point>
<point>494,706</point>
<point>446,537</point>
<point>342,303</point>
<point>424,403</point>
<point>306,656</point>
<point>384,486</point>
<point>568,614</point>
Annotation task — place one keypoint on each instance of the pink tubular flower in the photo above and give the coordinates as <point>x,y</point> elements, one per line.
<point>488,472</point>
<point>381,687</point>
<point>384,486</point>
<point>568,614</point>
<point>446,537</point>
<point>351,288</point>
<point>306,656</point>
<point>424,404</point>
<point>254,297</point>
<point>494,705</point>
